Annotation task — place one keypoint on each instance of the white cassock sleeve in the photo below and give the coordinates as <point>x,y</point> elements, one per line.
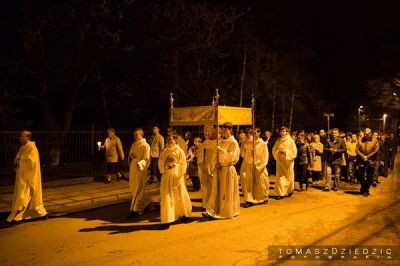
<point>291,151</point>
<point>131,151</point>
<point>182,162</point>
<point>28,159</point>
<point>275,150</point>
<point>144,163</point>
<point>230,156</point>
<point>161,162</point>
<point>263,155</point>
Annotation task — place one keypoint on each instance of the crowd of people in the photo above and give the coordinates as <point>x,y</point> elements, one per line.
<point>218,165</point>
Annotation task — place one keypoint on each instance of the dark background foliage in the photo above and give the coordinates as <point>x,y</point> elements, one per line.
<point>70,63</point>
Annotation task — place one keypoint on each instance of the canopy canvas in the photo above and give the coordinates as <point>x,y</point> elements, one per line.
<point>206,115</point>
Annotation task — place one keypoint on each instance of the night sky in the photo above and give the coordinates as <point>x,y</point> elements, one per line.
<point>347,37</point>
<point>347,40</point>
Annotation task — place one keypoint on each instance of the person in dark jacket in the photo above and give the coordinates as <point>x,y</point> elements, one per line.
<point>334,149</point>
<point>323,139</point>
<point>303,160</point>
<point>393,150</point>
<point>384,155</point>
<point>367,149</point>
<point>270,141</point>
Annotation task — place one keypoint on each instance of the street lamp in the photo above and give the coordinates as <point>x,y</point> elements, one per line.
<point>384,122</point>
<point>328,116</point>
<point>359,116</point>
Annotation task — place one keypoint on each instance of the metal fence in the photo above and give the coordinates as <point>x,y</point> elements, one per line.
<point>62,154</point>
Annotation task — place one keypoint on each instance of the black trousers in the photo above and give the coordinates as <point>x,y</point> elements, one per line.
<point>154,171</point>
<point>113,168</point>
<point>365,175</point>
<point>303,174</point>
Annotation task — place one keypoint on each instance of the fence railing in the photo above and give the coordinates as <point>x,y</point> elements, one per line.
<point>62,154</point>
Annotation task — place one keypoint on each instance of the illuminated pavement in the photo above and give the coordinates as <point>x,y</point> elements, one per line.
<point>67,196</point>
<point>105,237</point>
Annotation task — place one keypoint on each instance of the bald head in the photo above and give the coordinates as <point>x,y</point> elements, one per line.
<point>25,136</point>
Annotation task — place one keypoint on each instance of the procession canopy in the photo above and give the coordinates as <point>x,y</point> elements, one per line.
<point>206,115</point>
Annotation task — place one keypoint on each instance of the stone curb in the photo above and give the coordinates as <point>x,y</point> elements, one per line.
<point>52,184</point>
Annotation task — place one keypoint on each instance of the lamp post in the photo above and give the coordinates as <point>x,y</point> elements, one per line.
<point>328,116</point>
<point>384,123</point>
<point>359,116</point>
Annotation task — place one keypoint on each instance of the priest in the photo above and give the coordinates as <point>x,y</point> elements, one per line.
<point>27,202</point>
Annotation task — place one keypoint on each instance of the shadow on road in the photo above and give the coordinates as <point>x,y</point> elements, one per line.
<point>122,229</point>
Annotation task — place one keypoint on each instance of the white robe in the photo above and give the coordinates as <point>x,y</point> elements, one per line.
<point>224,200</point>
<point>175,200</point>
<point>284,165</point>
<point>27,202</point>
<point>206,160</point>
<point>255,188</point>
<point>140,161</point>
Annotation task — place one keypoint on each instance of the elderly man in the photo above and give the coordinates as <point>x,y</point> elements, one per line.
<point>114,152</point>
<point>139,157</point>
<point>27,202</point>
<point>367,149</point>
<point>284,152</point>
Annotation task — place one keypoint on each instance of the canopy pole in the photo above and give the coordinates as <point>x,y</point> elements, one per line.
<point>215,103</point>
<point>253,107</point>
<point>171,108</point>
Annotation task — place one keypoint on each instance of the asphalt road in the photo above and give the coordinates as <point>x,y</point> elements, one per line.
<point>312,218</point>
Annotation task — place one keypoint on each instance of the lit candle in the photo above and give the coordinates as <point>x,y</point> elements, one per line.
<point>99,144</point>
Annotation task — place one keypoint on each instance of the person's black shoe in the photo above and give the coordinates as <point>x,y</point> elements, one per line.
<point>365,194</point>
<point>265,202</point>
<point>374,184</point>
<point>205,215</point>
<point>163,227</point>
<point>279,198</point>
<point>247,205</point>
<point>290,194</point>
<point>335,189</point>
<point>132,215</point>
